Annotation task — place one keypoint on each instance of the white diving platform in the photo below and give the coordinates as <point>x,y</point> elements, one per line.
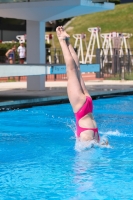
<point>37,13</point>
<point>41,69</point>
<point>49,10</point>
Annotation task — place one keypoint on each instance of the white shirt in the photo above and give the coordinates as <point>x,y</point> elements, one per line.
<point>21,51</point>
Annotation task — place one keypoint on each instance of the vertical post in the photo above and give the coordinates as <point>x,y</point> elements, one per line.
<point>122,73</point>
<point>113,61</point>
<point>98,74</point>
<point>55,61</point>
<point>81,49</point>
<point>36,52</point>
<point>129,61</point>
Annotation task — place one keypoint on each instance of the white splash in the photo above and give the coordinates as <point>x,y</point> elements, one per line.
<point>117,133</point>
<point>72,125</point>
<point>81,146</point>
<point>86,145</point>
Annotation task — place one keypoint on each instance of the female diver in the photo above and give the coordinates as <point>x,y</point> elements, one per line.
<point>80,100</point>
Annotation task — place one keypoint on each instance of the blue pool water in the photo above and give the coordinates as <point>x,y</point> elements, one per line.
<point>39,159</point>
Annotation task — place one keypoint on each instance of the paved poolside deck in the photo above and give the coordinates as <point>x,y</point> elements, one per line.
<point>15,94</point>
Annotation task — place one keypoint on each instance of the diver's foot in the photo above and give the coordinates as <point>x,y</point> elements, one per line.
<point>65,33</point>
<point>61,33</point>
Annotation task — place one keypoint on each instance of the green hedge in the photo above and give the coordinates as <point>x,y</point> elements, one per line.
<point>4,47</point>
<point>115,1</point>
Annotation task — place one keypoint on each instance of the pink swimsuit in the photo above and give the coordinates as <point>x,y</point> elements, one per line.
<point>84,110</point>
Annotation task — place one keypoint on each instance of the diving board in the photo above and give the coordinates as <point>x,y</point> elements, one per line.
<point>7,70</point>
<point>83,68</point>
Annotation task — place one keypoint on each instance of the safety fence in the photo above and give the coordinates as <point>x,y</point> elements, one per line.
<point>117,64</point>
<point>114,63</point>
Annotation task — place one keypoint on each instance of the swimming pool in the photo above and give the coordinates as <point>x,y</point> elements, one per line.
<point>38,159</point>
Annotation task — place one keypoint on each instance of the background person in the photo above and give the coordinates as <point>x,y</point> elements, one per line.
<point>22,53</point>
<point>10,54</point>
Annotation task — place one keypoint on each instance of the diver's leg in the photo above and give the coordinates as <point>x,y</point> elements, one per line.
<point>74,89</point>
<point>75,57</point>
